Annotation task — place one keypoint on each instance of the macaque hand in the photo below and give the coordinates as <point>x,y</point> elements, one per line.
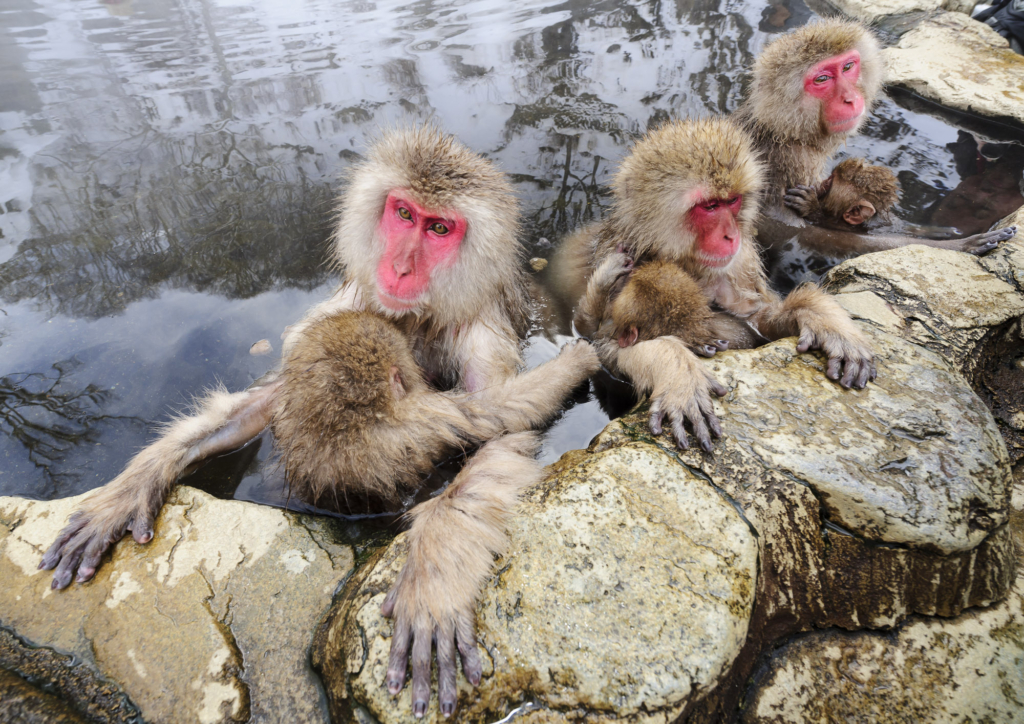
<point>802,199</point>
<point>581,354</point>
<point>688,399</point>
<point>710,347</point>
<point>850,361</point>
<point>985,242</point>
<point>613,267</point>
<point>89,533</point>
<point>418,623</point>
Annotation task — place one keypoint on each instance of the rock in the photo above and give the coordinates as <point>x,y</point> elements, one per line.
<point>946,301</point>
<point>626,593</point>
<point>965,669</point>
<point>538,263</point>
<point>263,347</point>
<point>210,622</point>
<point>21,702</point>
<point>961,63</point>
<point>871,11</point>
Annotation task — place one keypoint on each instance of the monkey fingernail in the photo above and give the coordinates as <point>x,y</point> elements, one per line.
<point>447,709</point>
<point>419,708</point>
<point>394,686</point>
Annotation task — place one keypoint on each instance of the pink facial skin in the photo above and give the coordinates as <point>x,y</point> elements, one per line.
<point>416,242</point>
<point>834,82</point>
<point>718,234</point>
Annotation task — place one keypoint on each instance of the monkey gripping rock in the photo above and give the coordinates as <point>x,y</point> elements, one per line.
<point>626,594</point>
<point>627,589</point>
<point>209,622</point>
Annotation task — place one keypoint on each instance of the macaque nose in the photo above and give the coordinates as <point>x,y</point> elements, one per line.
<point>402,267</point>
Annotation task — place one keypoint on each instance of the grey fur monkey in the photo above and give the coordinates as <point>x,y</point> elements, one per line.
<point>434,289</point>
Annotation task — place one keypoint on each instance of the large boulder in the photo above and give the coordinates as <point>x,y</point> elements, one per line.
<point>210,622</point>
<point>627,594</point>
<point>960,63</point>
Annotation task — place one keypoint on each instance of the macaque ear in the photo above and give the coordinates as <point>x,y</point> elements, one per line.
<point>628,338</point>
<point>860,213</point>
<point>397,385</point>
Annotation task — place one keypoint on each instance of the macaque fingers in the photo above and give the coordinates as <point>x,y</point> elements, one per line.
<point>398,658</point>
<point>446,693</point>
<point>987,241</point>
<point>421,644</point>
<point>466,639</point>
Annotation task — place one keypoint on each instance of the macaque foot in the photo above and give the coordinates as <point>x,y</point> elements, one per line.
<point>693,406</point>
<point>850,361</point>
<point>985,242</point>
<point>802,199</point>
<point>85,539</point>
<point>417,629</point>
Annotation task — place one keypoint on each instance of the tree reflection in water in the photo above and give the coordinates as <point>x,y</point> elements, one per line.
<point>50,418</point>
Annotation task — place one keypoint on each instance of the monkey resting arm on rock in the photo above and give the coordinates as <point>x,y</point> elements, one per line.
<point>687,194</point>
<point>427,238</point>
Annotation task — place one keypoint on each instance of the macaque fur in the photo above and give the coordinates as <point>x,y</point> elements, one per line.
<point>688,195</point>
<point>851,195</point>
<point>435,292</point>
<point>811,90</point>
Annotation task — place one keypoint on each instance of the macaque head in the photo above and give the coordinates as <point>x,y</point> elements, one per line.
<point>688,192</point>
<point>658,299</point>
<point>856,191</point>
<point>427,227</point>
<point>816,81</point>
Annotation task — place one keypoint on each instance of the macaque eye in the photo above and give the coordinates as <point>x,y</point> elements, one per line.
<point>710,206</point>
<point>438,228</point>
<point>823,78</point>
<point>404,213</point>
<point>732,201</point>
<point>848,66</point>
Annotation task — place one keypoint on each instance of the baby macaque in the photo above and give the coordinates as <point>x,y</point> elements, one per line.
<point>852,194</point>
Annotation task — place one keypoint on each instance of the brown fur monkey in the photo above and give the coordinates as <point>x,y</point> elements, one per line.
<point>688,194</point>
<point>811,89</point>
<point>426,237</point>
<point>852,194</point>
<point>659,299</point>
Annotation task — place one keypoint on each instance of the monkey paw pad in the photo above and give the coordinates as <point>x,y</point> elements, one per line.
<point>223,584</point>
<point>626,592</point>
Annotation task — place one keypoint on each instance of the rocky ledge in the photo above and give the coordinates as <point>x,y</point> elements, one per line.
<point>209,622</point>
<point>648,584</point>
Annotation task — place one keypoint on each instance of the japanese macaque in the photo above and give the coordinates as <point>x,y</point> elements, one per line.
<point>659,299</point>
<point>811,90</point>
<point>852,194</point>
<point>427,239</point>
<point>688,194</point>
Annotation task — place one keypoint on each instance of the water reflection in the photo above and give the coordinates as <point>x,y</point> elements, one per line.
<point>169,167</point>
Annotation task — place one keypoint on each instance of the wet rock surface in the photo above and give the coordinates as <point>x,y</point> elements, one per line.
<point>210,622</point>
<point>626,593</point>
<point>958,62</point>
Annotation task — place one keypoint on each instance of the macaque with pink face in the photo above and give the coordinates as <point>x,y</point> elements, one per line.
<point>679,239</point>
<point>434,291</point>
<point>811,90</point>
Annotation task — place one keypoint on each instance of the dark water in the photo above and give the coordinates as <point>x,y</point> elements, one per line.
<point>167,169</point>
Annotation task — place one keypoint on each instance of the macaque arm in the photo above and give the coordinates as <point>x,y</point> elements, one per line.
<point>679,385</point>
<point>485,351</point>
<point>529,399</point>
<point>820,323</point>
<point>132,500</point>
<point>452,543</point>
<point>803,200</point>
<point>592,306</point>
<point>347,298</point>
<point>837,242</point>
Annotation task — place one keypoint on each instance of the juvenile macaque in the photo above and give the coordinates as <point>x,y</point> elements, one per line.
<point>852,194</point>
<point>427,238</point>
<point>687,194</point>
<point>659,299</point>
<point>811,90</point>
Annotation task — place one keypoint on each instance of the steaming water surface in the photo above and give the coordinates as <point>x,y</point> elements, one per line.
<point>168,168</point>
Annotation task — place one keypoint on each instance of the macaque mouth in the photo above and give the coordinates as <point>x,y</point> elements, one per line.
<point>395,303</point>
<point>845,124</point>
